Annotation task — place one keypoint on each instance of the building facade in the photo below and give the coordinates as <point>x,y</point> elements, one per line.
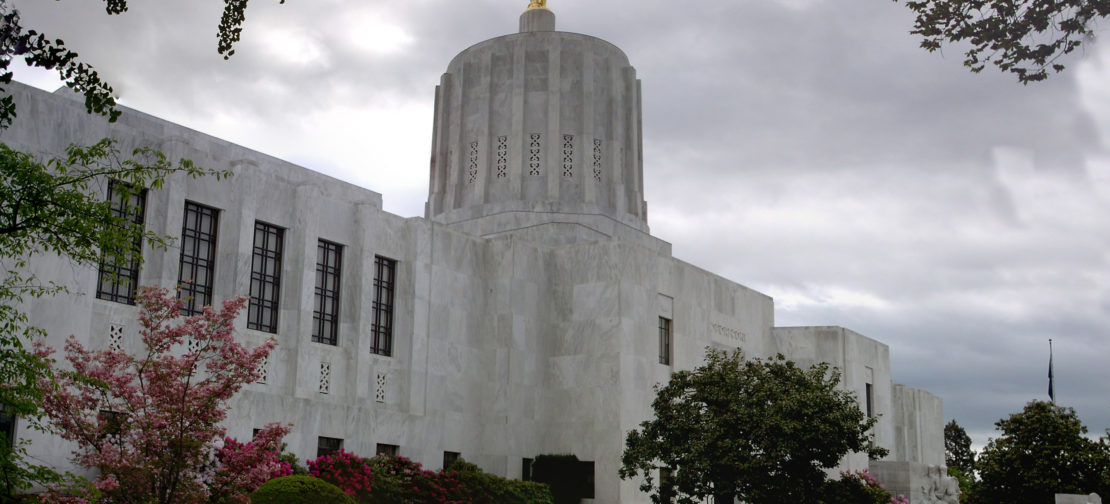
<point>530,311</point>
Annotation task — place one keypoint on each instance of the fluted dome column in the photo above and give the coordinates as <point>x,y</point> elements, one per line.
<point>539,123</point>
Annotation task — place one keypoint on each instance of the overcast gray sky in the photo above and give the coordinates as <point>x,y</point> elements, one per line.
<point>805,148</point>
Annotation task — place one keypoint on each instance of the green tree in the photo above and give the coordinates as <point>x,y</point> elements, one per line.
<point>957,448</point>
<point>760,430</point>
<point>1043,450</point>
<point>1024,37</point>
<point>57,207</point>
<point>38,50</point>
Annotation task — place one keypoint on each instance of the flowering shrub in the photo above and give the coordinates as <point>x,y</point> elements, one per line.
<point>343,469</point>
<point>240,468</point>
<point>858,487</point>
<point>392,480</point>
<point>406,481</point>
<point>150,423</point>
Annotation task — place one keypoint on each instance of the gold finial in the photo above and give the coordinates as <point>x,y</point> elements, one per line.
<point>537,4</point>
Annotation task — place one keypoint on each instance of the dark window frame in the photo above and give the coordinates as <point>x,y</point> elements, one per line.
<point>325,310</point>
<point>526,469</point>
<point>327,445</point>
<point>665,340</point>
<point>449,457</point>
<point>265,287</point>
<point>8,426</point>
<point>869,395</point>
<point>197,265</point>
<point>389,450</point>
<point>385,288</point>
<point>117,280</point>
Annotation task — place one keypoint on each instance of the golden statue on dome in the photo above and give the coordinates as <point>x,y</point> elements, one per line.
<point>537,4</point>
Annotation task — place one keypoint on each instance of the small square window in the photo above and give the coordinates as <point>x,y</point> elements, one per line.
<point>449,458</point>
<point>388,449</point>
<point>328,445</point>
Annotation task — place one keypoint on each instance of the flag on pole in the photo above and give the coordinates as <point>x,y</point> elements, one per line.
<point>1051,393</point>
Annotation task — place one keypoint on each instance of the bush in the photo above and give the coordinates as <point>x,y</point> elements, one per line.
<point>343,469</point>
<point>858,487</point>
<point>298,489</point>
<point>392,480</point>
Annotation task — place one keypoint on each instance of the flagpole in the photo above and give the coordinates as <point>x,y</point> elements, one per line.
<point>1051,392</point>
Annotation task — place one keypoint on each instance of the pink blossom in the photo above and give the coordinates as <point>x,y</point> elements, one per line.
<point>150,423</point>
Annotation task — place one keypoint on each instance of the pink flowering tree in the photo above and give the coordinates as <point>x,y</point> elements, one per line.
<point>149,424</point>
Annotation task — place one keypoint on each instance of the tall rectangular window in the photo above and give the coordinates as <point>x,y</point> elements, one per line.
<point>7,427</point>
<point>664,340</point>
<point>526,469</point>
<point>325,314</point>
<point>869,391</point>
<point>198,256</point>
<point>118,277</point>
<point>262,313</point>
<point>385,273</point>
<point>666,485</point>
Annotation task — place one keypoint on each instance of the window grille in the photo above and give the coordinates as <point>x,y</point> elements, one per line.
<point>664,340</point>
<point>385,274</point>
<point>325,314</point>
<point>262,312</point>
<point>118,277</point>
<point>198,257</point>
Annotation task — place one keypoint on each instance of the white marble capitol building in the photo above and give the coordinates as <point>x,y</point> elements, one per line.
<point>530,311</point>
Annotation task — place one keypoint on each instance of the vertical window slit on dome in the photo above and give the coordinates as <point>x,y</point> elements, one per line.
<point>568,155</point>
<point>597,159</point>
<point>534,155</point>
<point>472,163</point>
<point>502,156</point>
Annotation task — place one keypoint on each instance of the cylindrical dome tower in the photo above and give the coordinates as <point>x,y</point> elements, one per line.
<point>537,126</point>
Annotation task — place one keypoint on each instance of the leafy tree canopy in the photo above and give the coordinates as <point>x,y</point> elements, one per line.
<point>1043,450</point>
<point>1023,37</point>
<point>760,430</point>
<point>38,50</point>
<point>957,448</point>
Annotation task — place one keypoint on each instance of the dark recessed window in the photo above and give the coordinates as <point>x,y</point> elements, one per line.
<point>112,425</point>
<point>586,479</point>
<point>526,469</point>
<point>325,314</point>
<point>870,396</point>
<point>119,276</point>
<point>385,274</point>
<point>388,449</point>
<point>7,427</point>
<point>664,340</point>
<point>198,256</point>
<point>449,458</point>
<point>328,445</point>
<point>666,485</point>
<point>262,313</point>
